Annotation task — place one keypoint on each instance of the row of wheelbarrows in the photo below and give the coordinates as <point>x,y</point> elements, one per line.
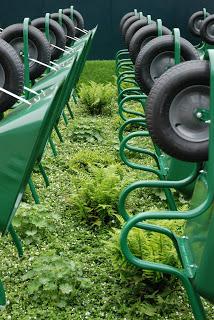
<point>40,65</point>
<point>174,83</point>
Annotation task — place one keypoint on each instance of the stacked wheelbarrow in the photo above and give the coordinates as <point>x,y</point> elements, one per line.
<point>40,65</point>
<point>174,83</point>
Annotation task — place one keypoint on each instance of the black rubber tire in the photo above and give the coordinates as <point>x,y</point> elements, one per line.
<point>142,37</point>
<point>67,25</point>
<point>128,23</point>
<point>58,33</point>
<point>154,48</point>
<point>134,27</point>
<point>160,102</point>
<point>207,30</point>
<point>37,41</point>
<point>125,17</point>
<point>195,23</point>
<point>13,69</point>
<point>77,20</point>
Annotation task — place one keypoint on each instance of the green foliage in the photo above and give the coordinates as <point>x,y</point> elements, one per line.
<point>86,133</point>
<point>97,99</point>
<point>85,159</point>
<point>96,196</point>
<point>153,288</point>
<point>145,245</point>
<point>33,222</point>
<point>55,279</point>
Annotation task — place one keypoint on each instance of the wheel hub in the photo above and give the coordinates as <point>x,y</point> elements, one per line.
<point>183,113</point>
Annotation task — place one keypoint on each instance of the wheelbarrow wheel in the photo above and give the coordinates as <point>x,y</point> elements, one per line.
<point>174,111</point>
<point>157,57</point>
<point>142,37</point>
<point>207,30</point>
<point>128,23</point>
<point>57,35</point>
<point>77,20</point>
<point>195,23</point>
<point>67,25</point>
<point>125,17</point>
<point>38,46</point>
<point>11,75</point>
<point>134,27</point>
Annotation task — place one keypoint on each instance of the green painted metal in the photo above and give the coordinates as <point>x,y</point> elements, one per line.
<point>60,17</point>
<point>32,125</point>
<point>69,108</point>
<point>33,191</point>
<point>65,118</point>
<point>205,13</point>
<point>47,23</point>
<point>2,296</point>
<point>72,13</point>
<point>164,165</point>
<point>141,15</point>
<point>16,241</point>
<point>53,147</point>
<point>71,72</point>
<point>195,248</point>
<point>43,173</point>
<point>149,19</point>
<point>160,27</point>
<point>26,56</point>
<point>58,133</point>
<point>177,45</point>
<point>25,124</point>
<point>178,170</point>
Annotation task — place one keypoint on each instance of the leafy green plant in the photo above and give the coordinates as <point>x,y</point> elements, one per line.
<point>32,222</point>
<point>55,279</point>
<point>96,196</point>
<point>97,98</point>
<point>145,245</point>
<point>153,288</point>
<point>86,133</point>
<point>85,159</point>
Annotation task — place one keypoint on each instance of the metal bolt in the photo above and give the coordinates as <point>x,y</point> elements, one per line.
<point>185,237</point>
<point>199,115</point>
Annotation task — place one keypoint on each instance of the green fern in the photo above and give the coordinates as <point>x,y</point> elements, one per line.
<point>96,196</point>
<point>97,98</point>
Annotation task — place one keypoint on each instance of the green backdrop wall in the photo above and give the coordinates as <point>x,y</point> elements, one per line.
<point>107,14</point>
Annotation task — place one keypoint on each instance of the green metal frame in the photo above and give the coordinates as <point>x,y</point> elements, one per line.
<point>59,90</point>
<point>189,271</point>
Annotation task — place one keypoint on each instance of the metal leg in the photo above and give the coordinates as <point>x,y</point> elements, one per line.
<point>70,111</point>
<point>33,191</point>
<point>65,118</point>
<point>195,301</point>
<point>58,133</point>
<point>2,296</point>
<point>170,199</point>
<point>74,98</point>
<point>16,241</point>
<point>53,147</point>
<point>43,173</point>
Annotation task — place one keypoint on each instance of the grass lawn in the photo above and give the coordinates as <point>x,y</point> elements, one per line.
<point>90,149</point>
<point>101,71</point>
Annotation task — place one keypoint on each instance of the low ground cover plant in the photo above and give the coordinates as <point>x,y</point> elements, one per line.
<point>97,98</point>
<point>55,280</point>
